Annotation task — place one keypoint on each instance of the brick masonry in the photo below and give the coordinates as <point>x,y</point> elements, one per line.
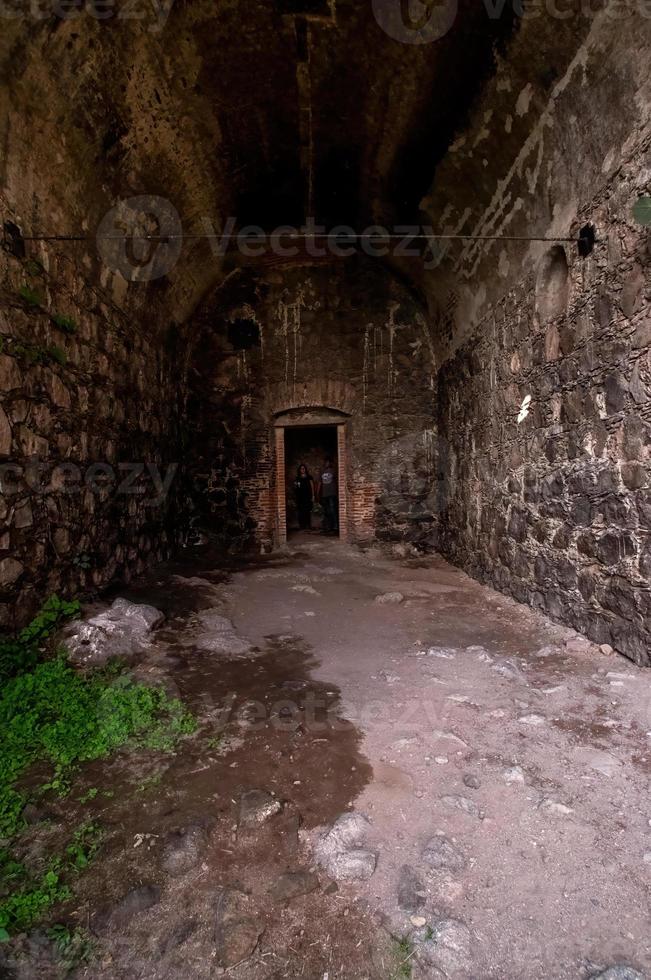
<point>345,337</point>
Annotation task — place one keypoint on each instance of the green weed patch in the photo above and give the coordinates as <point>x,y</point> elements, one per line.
<point>51,713</point>
<point>30,296</point>
<point>21,652</point>
<point>28,902</point>
<point>64,323</point>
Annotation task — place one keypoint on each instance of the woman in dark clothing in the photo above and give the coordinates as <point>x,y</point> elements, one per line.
<point>304,493</point>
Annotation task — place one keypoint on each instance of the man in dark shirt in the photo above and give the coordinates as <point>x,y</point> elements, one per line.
<point>328,495</point>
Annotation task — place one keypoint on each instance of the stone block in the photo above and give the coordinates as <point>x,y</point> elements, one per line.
<point>552,343</point>
<point>613,546</point>
<point>5,434</point>
<point>32,444</point>
<point>58,392</point>
<point>615,388</point>
<point>10,373</point>
<point>633,641</point>
<point>632,295</point>
<point>634,476</point>
<point>23,516</point>
<point>643,503</point>
<point>10,572</point>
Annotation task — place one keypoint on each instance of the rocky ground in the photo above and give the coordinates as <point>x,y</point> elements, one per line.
<point>398,772</point>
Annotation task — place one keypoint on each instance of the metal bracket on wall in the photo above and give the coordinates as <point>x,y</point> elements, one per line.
<point>587,239</point>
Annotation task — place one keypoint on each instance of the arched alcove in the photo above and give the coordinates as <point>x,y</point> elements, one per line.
<point>552,284</point>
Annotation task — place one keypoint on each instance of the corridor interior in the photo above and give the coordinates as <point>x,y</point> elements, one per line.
<point>241,237</point>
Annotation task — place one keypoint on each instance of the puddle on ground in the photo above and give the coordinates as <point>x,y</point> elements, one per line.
<point>584,729</point>
<point>265,724</point>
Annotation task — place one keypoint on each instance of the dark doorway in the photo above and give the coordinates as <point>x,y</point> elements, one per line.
<point>311,446</point>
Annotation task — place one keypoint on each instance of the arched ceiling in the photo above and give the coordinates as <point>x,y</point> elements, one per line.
<point>269,111</point>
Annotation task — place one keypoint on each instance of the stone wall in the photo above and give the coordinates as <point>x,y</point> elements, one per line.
<point>556,509</point>
<point>87,437</point>
<point>345,336</point>
<point>565,111</point>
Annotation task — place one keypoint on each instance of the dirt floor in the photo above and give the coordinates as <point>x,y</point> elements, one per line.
<point>502,762</point>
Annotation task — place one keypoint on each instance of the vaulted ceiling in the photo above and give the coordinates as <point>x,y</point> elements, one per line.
<point>272,111</point>
<point>323,114</point>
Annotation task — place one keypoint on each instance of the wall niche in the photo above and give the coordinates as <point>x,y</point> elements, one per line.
<point>552,284</point>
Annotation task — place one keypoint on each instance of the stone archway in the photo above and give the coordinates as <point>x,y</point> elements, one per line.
<point>312,417</point>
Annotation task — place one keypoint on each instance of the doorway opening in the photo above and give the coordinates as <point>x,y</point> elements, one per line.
<point>309,446</point>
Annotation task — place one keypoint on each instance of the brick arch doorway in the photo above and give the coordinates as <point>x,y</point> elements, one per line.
<point>310,419</point>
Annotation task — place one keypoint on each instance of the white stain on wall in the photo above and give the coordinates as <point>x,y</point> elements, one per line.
<point>502,208</point>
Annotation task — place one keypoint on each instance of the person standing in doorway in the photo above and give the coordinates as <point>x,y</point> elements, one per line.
<point>304,494</point>
<point>327,493</point>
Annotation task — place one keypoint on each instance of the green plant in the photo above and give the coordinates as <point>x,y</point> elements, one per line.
<point>21,652</point>
<point>25,906</point>
<point>54,714</point>
<point>83,560</point>
<point>51,713</point>
<point>28,897</point>
<point>30,296</point>
<point>216,742</point>
<point>403,951</point>
<point>10,869</point>
<point>74,946</point>
<point>89,795</point>
<point>65,323</point>
<point>32,353</point>
<point>113,667</point>
<point>28,353</point>
<point>33,267</point>
<point>57,354</point>
<point>149,782</point>
<point>84,846</point>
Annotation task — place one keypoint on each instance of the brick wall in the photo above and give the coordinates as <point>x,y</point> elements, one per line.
<point>346,337</point>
